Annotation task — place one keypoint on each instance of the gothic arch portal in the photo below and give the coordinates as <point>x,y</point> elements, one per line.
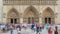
<point>13,16</point>
<point>48,16</point>
<point>31,15</point>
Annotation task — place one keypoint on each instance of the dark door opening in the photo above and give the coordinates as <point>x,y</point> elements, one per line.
<point>29,20</point>
<point>15,20</point>
<point>11,21</point>
<point>32,20</point>
<point>49,20</point>
<point>45,20</point>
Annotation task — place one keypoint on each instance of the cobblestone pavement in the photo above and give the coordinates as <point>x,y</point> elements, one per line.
<point>10,33</point>
<point>28,31</point>
<point>31,32</point>
<point>6,33</point>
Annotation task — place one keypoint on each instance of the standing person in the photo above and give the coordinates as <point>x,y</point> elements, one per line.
<point>3,29</point>
<point>12,31</point>
<point>56,30</point>
<point>19,31</point>
<point>44,31</point>
<point>40,27</point>
<point>37,28</point>
<point>49,31</point>
<point>32,26</point>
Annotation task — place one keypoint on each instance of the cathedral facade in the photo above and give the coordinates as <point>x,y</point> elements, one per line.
<point>30,11</point>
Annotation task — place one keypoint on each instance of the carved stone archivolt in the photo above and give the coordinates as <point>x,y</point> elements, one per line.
<point>48,13</point>
<point>29,14</point>
<point>13,14</point>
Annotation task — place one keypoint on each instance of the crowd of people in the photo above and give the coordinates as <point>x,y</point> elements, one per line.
<point>37,28</point>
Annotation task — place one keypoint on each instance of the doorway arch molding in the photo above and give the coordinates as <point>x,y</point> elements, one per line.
<point>48,13</point>
<point>13,14</point>
<point>30,14</point>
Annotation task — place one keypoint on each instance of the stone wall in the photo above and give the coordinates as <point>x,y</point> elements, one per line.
<point>4,9</point>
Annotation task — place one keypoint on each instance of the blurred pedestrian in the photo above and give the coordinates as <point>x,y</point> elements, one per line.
<point>37,28</point>
<point>12,31</point>
<point>3,29</point>
<point>32,26</point>
<point>19,30</point>
<point>56,30</point>
<point>49,31</point>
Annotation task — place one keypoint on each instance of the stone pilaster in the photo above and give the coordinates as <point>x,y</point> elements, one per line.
<point>40,18</point>
<point>21,18</point>
<point>1,11</point>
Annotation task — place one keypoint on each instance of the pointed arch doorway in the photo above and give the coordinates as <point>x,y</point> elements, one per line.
<point>13,16</point>
<point>48,16</point>
<point>31,15</point>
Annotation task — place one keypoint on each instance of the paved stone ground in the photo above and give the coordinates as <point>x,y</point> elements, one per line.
<point>6,33</point>
<point>23,31</point>
<point>10,33</point>
<point>29,32</point>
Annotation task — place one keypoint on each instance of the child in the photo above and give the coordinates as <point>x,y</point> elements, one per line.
<point>49,31</point>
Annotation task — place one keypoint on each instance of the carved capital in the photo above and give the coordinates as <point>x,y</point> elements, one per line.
<point>21,14</point>
<point>39,15</point>
<point>4,15</point>
<point>56,15</point>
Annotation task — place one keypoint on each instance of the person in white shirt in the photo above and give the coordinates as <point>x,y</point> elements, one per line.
<point>14,31</point>
<point>44,31</point>
<point>18,30</point>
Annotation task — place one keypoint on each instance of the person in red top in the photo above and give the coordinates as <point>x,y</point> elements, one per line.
<point>49,31</point>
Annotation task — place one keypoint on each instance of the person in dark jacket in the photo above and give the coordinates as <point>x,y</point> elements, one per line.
<point>37,28</point>
<point>56,30</point>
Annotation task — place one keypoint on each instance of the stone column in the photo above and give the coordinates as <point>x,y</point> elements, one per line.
<point>21,17</point>
<point>47,21</point>
<point>40,18</point>
<point>21,20</point>
<point>1,11</point>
